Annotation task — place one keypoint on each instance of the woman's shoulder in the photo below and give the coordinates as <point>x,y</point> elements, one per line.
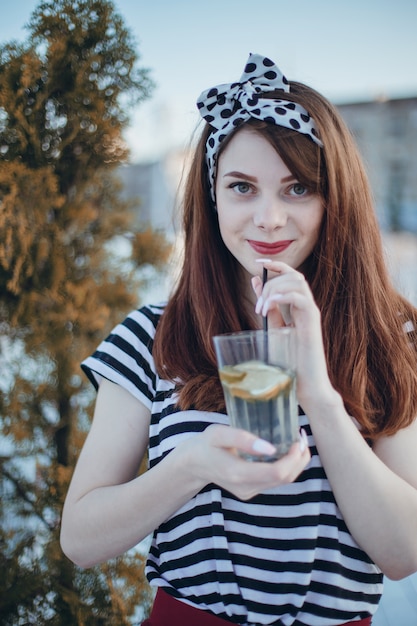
<point>144,319</point>
<point>125,356</point>
<point>151,311</point>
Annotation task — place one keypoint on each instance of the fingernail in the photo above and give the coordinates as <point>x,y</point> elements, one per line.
<point>263,447</point>
<point>265,307</point>
<point>303,440</point>
<point>259,305</point>
<point>263,260</point>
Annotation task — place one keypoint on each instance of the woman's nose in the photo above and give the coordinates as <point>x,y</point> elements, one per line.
<point>270,214</point>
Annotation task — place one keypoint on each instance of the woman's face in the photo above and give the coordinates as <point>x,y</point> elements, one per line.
<point>263,211</point>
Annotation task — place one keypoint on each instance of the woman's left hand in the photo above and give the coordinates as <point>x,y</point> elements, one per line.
<point>369,484</point>
<point>288,293</point>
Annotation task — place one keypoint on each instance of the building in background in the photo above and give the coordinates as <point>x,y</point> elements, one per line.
<point>155,186</point>
<point>386,132</point>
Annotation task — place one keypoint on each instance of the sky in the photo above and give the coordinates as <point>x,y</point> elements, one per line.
<point>349,50</point>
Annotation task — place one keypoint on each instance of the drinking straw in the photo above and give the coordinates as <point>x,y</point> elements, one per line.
<point>265,348</point>
<point>265,322</point>
<point>265,318</point>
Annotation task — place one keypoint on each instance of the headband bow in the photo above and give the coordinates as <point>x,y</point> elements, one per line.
<point>229,105</point>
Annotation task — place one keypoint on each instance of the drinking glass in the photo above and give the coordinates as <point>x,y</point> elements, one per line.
<point>258,376</point>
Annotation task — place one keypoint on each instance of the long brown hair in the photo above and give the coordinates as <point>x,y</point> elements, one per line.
<point>371,359</point>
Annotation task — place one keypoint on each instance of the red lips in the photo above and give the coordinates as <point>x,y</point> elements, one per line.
<point>262,247</point>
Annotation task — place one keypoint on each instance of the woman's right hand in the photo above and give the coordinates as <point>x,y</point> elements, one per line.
<point>288,289</point>
<point>213,457</point>
<point>109,508</point>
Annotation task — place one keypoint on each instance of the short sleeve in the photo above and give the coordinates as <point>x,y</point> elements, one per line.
<point>125,356</point>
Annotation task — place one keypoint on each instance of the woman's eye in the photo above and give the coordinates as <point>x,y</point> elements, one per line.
<point>298,189</point>
<point>242,188</point>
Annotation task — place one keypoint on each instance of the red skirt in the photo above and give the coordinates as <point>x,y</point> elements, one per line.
<point>168,611</point>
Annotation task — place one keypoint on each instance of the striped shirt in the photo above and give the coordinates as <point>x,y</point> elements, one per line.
<point>286,557</point>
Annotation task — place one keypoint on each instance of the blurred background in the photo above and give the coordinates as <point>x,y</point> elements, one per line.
<point>360,54</point>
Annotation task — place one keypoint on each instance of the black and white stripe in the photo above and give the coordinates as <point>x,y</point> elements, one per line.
<point>285,557</point>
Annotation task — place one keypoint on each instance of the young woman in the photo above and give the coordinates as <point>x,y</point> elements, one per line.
<point>275,182</point>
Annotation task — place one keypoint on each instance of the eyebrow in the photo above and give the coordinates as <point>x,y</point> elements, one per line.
<point>254,179</point>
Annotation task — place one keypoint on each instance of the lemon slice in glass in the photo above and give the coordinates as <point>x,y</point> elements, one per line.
<point>260,381</point>
<point>230,374</point>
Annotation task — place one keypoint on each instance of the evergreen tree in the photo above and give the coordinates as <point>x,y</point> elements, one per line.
<point>64,94</point>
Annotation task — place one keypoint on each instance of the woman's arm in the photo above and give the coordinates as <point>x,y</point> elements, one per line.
<point>375,489</point>
<point>109,509</point>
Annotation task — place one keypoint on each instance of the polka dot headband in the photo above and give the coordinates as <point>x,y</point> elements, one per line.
<point>227,106</point>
